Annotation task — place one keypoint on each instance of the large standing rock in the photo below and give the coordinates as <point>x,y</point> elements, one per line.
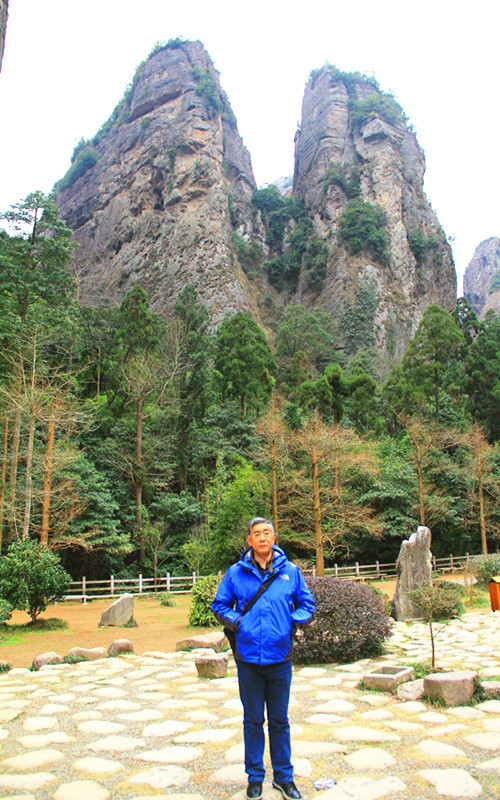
<point>414,568</point>
<point>212,666</point>
<point>453,688</point>
<point>118,613</point>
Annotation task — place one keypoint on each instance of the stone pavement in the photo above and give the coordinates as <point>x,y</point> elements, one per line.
<point>147,726</point>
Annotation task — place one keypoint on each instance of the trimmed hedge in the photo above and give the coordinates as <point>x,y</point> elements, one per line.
<point>350,623</point>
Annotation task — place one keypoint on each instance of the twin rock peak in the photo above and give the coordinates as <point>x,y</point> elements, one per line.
<point>164,195</point>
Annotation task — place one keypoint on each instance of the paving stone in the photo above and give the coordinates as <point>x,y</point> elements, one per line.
<point>201,716</point>
<point>146,715</point>
<point>337,707</point>
<point>302,747</point>
<point>412,707</point>
<point>370,758</point>
<point>101,727</point>
<point>39,723</point>
<point>466,712</point>
<point>485,741</point>
<point>434,717</point>
<point>168,728</point>
<point>492,765</point>
<point>82,716</point>
<point>377,715</point>
<point>43,739</point>
<point>452,782</point>
<point>207,736</point>
<point>233,773</point>
<point>357,733</point>
<point>172,754</point>
<point>436,749</point>
<point>88,789</point>
<point>324,719</point>
<point>33,760</point>
<point>364,788</point>
<point>490,706</point>
<point>374,699</point>
<point>98,766</point>
<point>8,714</point>
<point>162,777</point>
<point>29,782</point>
<point>116,744</point>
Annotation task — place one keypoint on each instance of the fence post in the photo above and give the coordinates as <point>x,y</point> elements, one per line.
<point>194,578</point>
<point>378,569</point>
<point>84,590</point>
<point>467,560</point>
<point>434,563</point>
<point>314,570</point>
<point>140,583</point>
<point>168,581</point>
<point>451,561</point>
<point>357,569</point>
<point>336,570</point>
<point>112,584</point>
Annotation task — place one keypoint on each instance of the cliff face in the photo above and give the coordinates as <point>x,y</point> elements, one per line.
<point>482,278</point>
<point>151,199</point>
<point>358,164</point>
<point>4,13</point>
<point>164,196</point>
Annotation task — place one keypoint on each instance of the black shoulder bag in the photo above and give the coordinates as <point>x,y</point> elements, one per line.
<point>230,634</point>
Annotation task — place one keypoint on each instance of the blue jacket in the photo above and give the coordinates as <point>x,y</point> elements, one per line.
<point>263,635</point>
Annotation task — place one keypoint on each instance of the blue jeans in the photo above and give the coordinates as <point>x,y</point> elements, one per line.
<point>269,685</point>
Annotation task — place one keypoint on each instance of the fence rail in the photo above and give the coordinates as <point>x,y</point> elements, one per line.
<point>182,584</point>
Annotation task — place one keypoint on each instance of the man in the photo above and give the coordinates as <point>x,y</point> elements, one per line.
<point>263,649</point>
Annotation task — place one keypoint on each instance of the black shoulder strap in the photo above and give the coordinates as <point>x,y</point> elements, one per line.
<point>260,591</point>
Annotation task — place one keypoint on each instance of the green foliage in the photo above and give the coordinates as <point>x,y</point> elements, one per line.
<point>5,611</point>
<point>362,228</point>
<point>248,254</point>
<point>203,593</point>
<point>86,158</point>
<point>167,600</point>
<point>311,332</point>
<point>438,602</point>
<point>495,282</point>
<point>31,577</point>
<point>346,177</point>
<point>5,666</point>
<point>350,622</point>
<point>244,362</point>
<point>358,319</point>
<point>378,104</point>
<point>422,246</point>
<point>485,567</point>
<point>216,100</point>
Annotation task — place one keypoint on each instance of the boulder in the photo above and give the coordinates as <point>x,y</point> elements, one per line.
<point>212,666</point>
<point>120,612</point>
<point>413,690</point>
<point>88,653</point>
<point>120,646</point>
<point>491,689</point>
<point>414,569</point>
<point>46,658</point>
<point>453,688</point>
<point>215,640</point>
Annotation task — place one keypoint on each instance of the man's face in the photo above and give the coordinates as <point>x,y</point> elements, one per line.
<point>261,539</point>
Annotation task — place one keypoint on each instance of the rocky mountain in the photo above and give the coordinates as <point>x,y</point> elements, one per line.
<point>4,13</point>
<point>482,278</point>
<point>164,195</point>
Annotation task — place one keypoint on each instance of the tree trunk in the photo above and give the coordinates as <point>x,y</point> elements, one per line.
<point>4,470</point>
<point>480,490</point>
<point>318,533</point>
<point>274,488</point>
<point>139,480</point>
<point>29,462</point>
<point>16,437</point>
<point>420,483</point>
<point>47,480</point>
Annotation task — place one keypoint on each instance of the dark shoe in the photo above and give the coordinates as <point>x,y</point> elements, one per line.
<point>254,790</point>
<point>288,790</point>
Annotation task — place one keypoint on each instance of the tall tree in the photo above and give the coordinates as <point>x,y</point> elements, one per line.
<point>243,362</point>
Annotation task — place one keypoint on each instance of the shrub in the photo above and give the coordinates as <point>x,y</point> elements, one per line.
<point>5,611</point>
<point>5,666</point>
<point>362,227</point>
<point>350,623</point>
<point>166,599</point>
<point>201,614</point>
<point>438,602</point>
<point>484,568</point>
<point>31,577</point>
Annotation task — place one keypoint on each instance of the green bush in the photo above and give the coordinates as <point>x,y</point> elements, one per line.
<point>5,611</point>
<point>362,227</point>
<point>484,568</point>
<point>85,158</point>
<point>439,602</point>
<point>5,666</point>
<point>350,622</point>
<point>166,599</point>
<point>204,590</point>
<point>31,577</point>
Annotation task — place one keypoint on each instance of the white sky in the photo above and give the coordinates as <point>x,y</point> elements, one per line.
<point>67,63</point>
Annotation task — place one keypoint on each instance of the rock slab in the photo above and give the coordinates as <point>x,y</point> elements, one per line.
<point>453,688</point>
<point>118,613</point>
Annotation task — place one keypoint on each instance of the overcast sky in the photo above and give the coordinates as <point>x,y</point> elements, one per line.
<point>67,64</point>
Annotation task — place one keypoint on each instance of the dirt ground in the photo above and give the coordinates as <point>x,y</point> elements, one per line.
<point>158,628</point>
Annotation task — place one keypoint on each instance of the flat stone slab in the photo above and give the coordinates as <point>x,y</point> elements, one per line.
<point>26,782</point>
<point>97,766</point>
<point>118,613</point>
<point>370,758</point>
<point>435,749</point>
<point>162,777</point>
<point>485,741</point>
<point>90,790</point>
<point>357,733</point>
<point>172,754</point>
<point>452,782</point>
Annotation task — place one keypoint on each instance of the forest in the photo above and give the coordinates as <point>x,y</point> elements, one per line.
<point>134,441</point>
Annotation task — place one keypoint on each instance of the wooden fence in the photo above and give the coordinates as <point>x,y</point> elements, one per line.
<point>182,584</point>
